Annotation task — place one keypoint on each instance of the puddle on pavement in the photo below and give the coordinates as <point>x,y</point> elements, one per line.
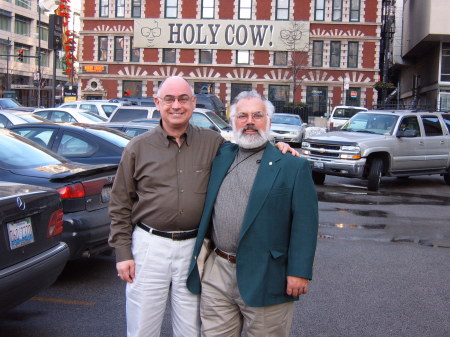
<point>342,226</point>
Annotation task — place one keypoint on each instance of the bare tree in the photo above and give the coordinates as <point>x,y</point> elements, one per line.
<point>297,54</point>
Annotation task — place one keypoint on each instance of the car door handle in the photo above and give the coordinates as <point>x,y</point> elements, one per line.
<point>421,143</point>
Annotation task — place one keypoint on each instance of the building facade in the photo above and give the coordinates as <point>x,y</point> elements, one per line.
<point>320,52</point>
<point>24,29</point>
<point>418,58</point>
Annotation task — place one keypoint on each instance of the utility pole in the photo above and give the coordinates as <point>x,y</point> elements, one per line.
<point>39,58</point>
<point>8,51</point>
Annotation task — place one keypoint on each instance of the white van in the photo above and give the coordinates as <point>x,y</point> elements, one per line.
<point>99,107</point>
<point>341,114</point>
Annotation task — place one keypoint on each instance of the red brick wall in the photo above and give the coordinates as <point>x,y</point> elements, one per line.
<point>369,55</point>
<point>263,9</point>
<point>88,47</point>
<point>371,11</point>
<point>226,9</point>
<point>224,56</point>
<point>366,30</point>
<point>89,8</point>
<point>188,9</point>
<point>261,57</point>
<point>152,8</point>
<point>187,55</point>
<point>301,10</point>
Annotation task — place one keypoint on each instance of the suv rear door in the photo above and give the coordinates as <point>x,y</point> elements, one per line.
<point>436,141</point>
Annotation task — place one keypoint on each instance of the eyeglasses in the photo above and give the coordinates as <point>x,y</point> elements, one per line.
<point>169,99</point>
<point>243,116</point>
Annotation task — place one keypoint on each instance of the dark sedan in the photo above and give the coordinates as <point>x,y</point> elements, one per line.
<point>130,128</point>
<point>82,143</point>
<point>84,189</point>
<point>31,252</point>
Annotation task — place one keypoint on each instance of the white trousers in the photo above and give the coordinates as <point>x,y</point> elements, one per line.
<point>161,269</point>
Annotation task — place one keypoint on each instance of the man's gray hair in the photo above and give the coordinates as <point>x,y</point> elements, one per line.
<point>251,94</point>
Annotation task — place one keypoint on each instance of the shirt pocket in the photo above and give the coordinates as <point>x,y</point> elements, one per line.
<point>201,178</point>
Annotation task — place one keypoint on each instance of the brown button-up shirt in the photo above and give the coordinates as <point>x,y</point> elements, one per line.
<point>161,184</point>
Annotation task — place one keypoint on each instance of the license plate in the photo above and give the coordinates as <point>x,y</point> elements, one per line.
<point>318,165</point>
<point>106,193</point>
<point>20,233</point>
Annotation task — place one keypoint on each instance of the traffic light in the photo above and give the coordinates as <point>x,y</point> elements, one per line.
<point>20,55</point>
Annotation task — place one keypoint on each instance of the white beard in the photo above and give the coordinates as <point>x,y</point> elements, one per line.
<point>251,141</point>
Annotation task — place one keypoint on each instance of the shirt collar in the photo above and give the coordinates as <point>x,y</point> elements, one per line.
<point>165,138</point>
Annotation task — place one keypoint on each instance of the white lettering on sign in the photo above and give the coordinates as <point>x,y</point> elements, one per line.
<point>221,34</point>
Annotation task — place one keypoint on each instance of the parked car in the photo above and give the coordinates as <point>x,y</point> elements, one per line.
<point>102,108</point>
<point>373,144</point>
<point>69,115</point>
<point>213,103</point>
<point>11,117</point>
<point>287,128</point>
<point>82,143</point>
<point>7,103</point>
<point>31,252</point>
<point>143,101</point>
<point>129,113</point>
<point>131,128</point>
<point>84,189</point>
<point>203,118</point>
<point>340,114</point>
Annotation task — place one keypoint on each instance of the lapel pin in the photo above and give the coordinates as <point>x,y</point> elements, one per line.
<point>270,163</point>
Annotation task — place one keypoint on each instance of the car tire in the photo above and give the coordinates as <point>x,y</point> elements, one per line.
<point>447,177</point>
<point>318,177</point>
<point>374,176</point>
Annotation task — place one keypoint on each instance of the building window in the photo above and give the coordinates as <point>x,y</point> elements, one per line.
<point>169,55</point>
<point>45,60</point>
<point>205,56</point>
<point>208,9</point>
<point>352,55</point>
<point>118,48</point>
<point>280,58</point>
<point>353,97</point>
<point>335,54</point>
<point>237,88</point>
<point>120,8</point>
<point>134,52</point>
<point>104,8</point>
<point>43,33</point>
<point>279,93</point>
<point>22,26</point>
<point>355,7</point>
<point>136,8</point>
<point>282,10</point>
<point>26,52</point>
<point>4,49</point>
<point>316,98</point>
<point>245,9</point>
<point>171,9</point>
<point>24,3</point>
<point>243,57</point>
<point>317,55</point>
<point>445,62</point>
<point>5,21</point>
<point>337,10</point>
<point>102,48</point>
<point>203,88</point>
<point>132,88</point>
<point>319,10</point>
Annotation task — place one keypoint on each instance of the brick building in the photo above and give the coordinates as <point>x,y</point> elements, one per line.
<point>320,52</point>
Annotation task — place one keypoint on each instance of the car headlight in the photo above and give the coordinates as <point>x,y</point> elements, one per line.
<point>351,148</point>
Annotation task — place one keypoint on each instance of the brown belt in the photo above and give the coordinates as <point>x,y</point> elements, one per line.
<point>176,236</point>
<point>229,257</point>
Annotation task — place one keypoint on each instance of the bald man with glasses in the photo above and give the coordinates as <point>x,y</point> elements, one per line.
<point>156,204</point>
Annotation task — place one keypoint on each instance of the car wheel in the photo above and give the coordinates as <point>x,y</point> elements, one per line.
<point>318,177</point>
<point>447,177</point>
<point>374,176</point>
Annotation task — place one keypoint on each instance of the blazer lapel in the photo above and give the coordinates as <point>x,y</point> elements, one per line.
<point>267,172</point>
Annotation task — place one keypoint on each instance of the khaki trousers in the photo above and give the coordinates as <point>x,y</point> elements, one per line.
<point>224,314</point>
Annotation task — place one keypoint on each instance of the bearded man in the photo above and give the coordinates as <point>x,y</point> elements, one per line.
<point>261,212</point>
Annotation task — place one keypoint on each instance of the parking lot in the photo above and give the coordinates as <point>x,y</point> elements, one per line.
<point>381,269</point>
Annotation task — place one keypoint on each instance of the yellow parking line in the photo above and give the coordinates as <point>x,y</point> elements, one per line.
<point>58,300</point>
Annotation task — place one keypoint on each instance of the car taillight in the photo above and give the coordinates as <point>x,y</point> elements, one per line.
<point>331,125</point>
<point>72,191</point>
<point>55,225</point>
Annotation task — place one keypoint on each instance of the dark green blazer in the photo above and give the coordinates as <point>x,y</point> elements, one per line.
<point>279,231</point>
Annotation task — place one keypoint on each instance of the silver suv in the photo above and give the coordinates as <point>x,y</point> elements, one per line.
<point>99,107</point>
<point>373,144</point>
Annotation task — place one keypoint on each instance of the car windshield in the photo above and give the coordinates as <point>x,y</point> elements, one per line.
<point>218,121</point>
<point>284,119</point>
<point>345,112</point>
<point>93,117</point>
<point>112,136</point>
<point>371,123</point>
<point>9,103</point>
<point>16,153</point>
